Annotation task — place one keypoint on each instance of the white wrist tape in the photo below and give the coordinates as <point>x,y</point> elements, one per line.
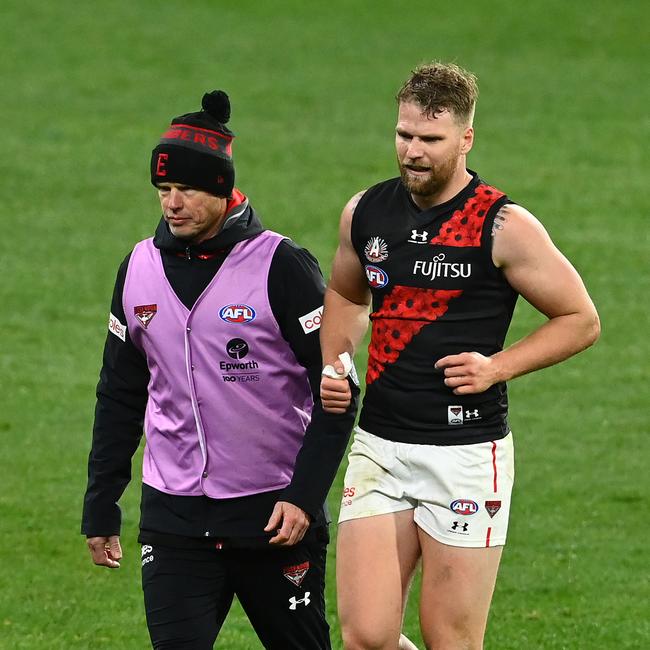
<point>345,359</point>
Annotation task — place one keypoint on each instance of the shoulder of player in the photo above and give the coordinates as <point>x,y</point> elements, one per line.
<point>382,192</point>
<point>351,205</point>
<point>515,232</point>
<point>348,214</point>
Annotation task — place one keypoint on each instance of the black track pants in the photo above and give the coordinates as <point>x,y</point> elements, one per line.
<point>188,592</point>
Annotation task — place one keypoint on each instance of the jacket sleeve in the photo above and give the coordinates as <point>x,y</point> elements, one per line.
<point>117,430</point>
<point>296,289</point>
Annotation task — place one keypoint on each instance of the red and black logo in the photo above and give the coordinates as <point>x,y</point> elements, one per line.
<point>296,573</point>
<point>144,313</point>
<point>492,507</point>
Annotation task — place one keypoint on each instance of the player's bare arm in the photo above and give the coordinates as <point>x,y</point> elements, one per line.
<point>546,279</point>
<point>345,314</point>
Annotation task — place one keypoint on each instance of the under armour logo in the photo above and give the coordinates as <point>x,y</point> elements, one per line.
<point>457,525</point>
<point>471,414</point>
<point>418,237</point>
<point>294,601</point>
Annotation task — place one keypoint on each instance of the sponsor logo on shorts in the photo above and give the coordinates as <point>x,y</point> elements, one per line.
<point>348,493</point>
<point>237,313</point>
<point>460,528</point>
<point>464,507</point>
<point>295,601</point>
<point>492,507</point>
<point>296,573</point>
<point>376,277</point>
<point>115,327</point>
<point>454,414</point>
<point>376,250</point>
<point>145,314</point>
<point>311,322</point>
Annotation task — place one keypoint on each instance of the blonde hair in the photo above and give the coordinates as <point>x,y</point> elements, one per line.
<point>441,86</point>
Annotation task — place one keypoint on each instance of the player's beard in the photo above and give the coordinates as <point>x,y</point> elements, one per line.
<point>432,184</point>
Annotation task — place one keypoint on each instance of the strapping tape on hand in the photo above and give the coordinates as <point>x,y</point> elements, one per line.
<point>344,358</point>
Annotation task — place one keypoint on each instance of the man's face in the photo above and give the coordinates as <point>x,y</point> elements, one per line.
<point>192,215</point>
<point>430,150</point>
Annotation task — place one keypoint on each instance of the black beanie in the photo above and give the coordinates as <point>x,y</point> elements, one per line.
<point>196,150</point>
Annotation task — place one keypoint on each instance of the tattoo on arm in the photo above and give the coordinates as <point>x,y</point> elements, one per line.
<point>499,220</point>
<point>354,201</point>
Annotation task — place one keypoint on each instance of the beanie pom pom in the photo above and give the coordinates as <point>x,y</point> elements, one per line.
<point>217,105</point>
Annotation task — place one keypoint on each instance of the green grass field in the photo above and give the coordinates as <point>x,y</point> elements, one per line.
<point>562,125</point>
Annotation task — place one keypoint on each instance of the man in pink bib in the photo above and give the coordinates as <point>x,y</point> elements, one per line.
<point>213,350</point>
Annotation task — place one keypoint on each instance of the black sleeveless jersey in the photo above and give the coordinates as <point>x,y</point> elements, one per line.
<point>435,292</point>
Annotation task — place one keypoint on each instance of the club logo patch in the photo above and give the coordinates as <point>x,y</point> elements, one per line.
<point>492,507</point>
<point>376,250</point>
<point>454,414</point>
<point>296,573</point>
<point>376,277</point>
<point>464,507</point>
<point>145,314</point>
<point>237,313</point>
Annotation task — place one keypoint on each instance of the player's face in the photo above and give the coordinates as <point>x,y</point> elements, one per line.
<point>192,215</point>
<point>430,150</point>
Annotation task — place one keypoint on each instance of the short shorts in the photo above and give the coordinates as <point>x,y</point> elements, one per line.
<point>460,494</point>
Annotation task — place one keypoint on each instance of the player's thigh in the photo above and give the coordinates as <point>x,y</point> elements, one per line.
<point>187,596</point>
<point>375,560</point>
<point>457,587</point>
<point>282,591</point>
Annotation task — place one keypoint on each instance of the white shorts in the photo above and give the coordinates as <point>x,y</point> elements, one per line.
<point>460,494</point>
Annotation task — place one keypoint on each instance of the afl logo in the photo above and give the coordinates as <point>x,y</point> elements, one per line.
<point>376,277</point>
<point>237,314</point>
<point>464,507</point>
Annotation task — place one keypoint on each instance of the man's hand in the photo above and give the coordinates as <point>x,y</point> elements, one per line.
<point>290,523</point>
<point>335,393</point>
<point>468,372</point>
<point>105,551</point>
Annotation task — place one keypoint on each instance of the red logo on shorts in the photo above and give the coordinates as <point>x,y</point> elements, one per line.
<point>296,573</point>
<point>492,507</point>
